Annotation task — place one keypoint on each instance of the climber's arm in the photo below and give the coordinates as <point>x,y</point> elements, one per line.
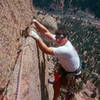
<point>42,29</point>
<point>44,47</point>
<point>41,44</point>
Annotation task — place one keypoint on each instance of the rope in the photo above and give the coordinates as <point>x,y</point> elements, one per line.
<point>20,72</point>
<point>19,75</point>
<point>18,80</point>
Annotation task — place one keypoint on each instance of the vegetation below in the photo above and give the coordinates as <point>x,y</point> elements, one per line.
<point>84,35</point>
<point>92,6</point>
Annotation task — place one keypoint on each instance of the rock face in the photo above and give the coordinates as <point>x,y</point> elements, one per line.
<point>23,68</point>
<point>29,79</point>
<point>14,17</point>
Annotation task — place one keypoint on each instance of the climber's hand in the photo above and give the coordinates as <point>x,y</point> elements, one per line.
<point>34,35</point>
<point>33,21</point>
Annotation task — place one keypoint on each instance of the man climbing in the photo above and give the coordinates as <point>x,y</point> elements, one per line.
<point>69,61</point>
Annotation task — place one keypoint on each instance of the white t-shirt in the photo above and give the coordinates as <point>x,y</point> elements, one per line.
<point>67,56</point>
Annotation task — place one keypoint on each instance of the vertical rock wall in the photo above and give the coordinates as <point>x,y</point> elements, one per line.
<point>29,81</point>
<point>23,71</point>
<point>15,15</point>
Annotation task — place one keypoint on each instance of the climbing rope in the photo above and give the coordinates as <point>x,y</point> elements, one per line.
<point>19,74</point>
<point>20,70</point>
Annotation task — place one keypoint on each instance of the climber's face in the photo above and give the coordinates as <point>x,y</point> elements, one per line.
<point>60,39</point>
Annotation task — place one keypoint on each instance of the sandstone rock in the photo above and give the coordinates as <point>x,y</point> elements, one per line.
<point>22,67</point>
<point>14,17</point>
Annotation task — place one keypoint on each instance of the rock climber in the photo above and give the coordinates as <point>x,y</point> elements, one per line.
<point>69,61</point>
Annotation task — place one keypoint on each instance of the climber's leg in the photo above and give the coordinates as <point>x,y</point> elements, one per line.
<point>57,86</point>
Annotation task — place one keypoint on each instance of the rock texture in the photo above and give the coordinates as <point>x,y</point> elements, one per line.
<point>23,68</point>
<point>14,17</point>
<point>29,79</point>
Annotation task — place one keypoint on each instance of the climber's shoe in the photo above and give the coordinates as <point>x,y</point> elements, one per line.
<point>51,81</point>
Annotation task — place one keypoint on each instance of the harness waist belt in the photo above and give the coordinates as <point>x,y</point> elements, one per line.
<point>75,72</point>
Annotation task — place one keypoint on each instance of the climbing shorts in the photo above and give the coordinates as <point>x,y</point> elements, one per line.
<point>66,79</point>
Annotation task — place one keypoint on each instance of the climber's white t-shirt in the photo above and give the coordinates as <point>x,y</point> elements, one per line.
<point>67,56</point>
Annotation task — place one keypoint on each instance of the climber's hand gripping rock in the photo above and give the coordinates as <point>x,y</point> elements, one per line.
<point>34,35</point>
